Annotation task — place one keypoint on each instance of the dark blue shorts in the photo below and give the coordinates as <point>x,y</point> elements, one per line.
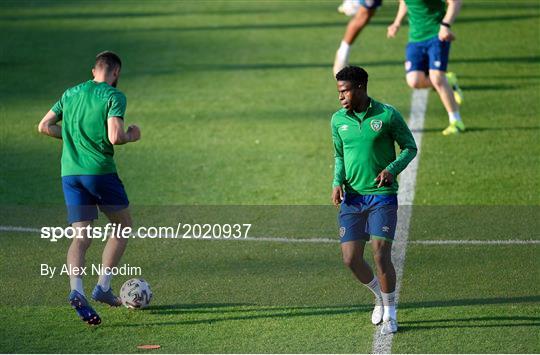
<point>362,216</point>
<point>84,193</point>
<point>431,54</point>
<point>371,4</point>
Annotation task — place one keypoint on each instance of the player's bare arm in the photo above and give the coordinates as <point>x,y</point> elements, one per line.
<point>337,195</point>
<point>49,127</point>
<point>116,133</point>
<point>394,27</point>
<point>445,34</point>
<point>385,178</point>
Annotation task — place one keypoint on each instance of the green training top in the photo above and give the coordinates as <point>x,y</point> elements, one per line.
<point>425,18</point>
<point>364,146</point>
<point>84,110</point>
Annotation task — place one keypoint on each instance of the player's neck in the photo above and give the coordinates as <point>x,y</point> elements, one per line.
<point>362,105</point>
<point>103,78</point>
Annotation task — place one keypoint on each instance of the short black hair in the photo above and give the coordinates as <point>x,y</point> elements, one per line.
<point>353,74</point>
<point>108,60</point>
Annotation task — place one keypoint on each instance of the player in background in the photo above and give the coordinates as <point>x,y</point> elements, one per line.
<point>92,115</point>
<point>365,12</point>
<point>364,132</point>
<point>428,51</point>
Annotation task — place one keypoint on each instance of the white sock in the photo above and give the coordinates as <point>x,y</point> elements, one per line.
<point>373,285</point>
<point>454,116</point>
<point>105,282</point>
<point>76,284</point>
<point>343,51</point>
<point>389,303</point>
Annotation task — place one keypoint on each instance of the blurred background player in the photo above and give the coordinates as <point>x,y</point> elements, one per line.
<point>428,51</point>
<point>92,115</point>
<point>364,132</point>
<point>363,11</point>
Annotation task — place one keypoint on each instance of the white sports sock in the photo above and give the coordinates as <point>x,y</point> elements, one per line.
<point>454,116</point>
<point>389,303</point>
<point>76,284</point>
<point>343,51</point>
<point>373,285</point>
<point>105,282</point>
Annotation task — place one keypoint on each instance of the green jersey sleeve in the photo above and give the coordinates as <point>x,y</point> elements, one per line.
<point>117,105</point>
<point>404,138</point>
<point>339,166</point>
<point>58,107</point>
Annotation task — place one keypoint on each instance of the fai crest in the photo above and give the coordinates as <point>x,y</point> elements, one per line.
<point>376,125</point>
<point>342,232</point>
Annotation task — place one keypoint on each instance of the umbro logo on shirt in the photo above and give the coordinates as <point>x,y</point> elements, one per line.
<point>344,127</point>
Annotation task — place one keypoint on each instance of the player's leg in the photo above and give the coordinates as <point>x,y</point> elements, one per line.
<point>114,203</point>
<point>416,66</point>
<point>77,253</point>
<point>360,20</point>
<point>352,253</point>
<point>381,225</point>
<point>418,80</point>
<point>352,223</point>
<point>116,245</point>
<point>382,254</point>
<point>438,52</point>
<point>81,212</point>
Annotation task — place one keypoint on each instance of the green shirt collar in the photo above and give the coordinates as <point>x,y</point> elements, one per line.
<point>362,115</point>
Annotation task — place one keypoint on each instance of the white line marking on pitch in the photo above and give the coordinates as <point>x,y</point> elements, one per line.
<point>382,344</point>
<point>321,240</point>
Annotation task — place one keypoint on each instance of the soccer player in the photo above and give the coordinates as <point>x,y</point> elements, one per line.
<point>366,167</point>
<point>428,50</point>
<point>92,115</point>
<point>360,20</point>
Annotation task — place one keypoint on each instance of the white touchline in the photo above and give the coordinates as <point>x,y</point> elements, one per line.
<point>323,240</point>
<point>382,344</point>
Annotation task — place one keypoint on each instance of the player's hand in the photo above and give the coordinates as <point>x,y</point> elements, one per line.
<point>445,34</point>
<point>134,133</point>
<point>392,30</point>
<point>385,178</point>
<point>337,195</point>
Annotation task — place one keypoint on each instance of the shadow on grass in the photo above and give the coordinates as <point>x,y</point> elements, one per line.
<point>471,302</point>
<point>261,313</point>
<point>300,66</point>
<point>250,312</point>
<point>481,129</point>
<point>473,322</point>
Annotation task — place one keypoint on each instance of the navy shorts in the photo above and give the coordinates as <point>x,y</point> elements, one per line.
<point>84,193</point>
<point>431,54</point>
<point>365,216</point>
<point>371,4</point>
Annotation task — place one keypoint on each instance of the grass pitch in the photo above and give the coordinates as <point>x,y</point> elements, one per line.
<point>234,100</point>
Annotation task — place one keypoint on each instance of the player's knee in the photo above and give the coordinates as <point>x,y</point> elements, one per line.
<point>437,79</point>
<point>82,243</point>
<point>119,240</point>
<point>414,82</point>
<point>348,260</point>
<point>382,259</point>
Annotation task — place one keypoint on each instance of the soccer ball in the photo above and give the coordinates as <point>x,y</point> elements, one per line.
<point>349,7</point>
<point>136,293</point>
